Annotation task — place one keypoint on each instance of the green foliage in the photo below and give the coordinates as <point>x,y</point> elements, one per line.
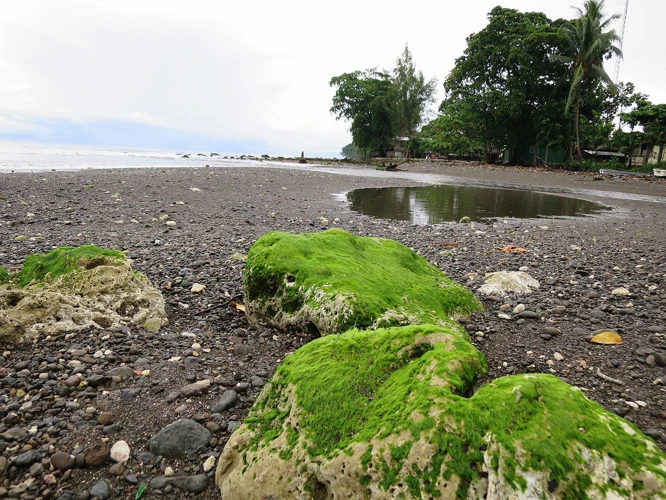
<point>411,95</point>
<point>4,276</point>
<point>502,89</point>
<point>350,152</point>
<point>140,490</point>
<point>652,118</point>
<point>40,267</point>
<point>449,133</point>
<point>364,99</point>
<point>382,104</point>
<point>593,165</point>
<point>337,281</point>
<point>588,45</point>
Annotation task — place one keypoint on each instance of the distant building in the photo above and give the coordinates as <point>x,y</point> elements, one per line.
<point>400,146</point>
<point>648,154</point>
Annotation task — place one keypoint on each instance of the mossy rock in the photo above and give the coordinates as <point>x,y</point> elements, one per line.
<point>40,267</point>
<point>332,281</point>
<point>392,414</point>
<point>72,289</point>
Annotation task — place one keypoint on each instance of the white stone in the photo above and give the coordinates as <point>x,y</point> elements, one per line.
<point>209,464</point>
<point>197,288</point>
<point>170,223</point>
<point>120,451</point>
<point>632,404</point>
<point>558,357</point>
<point>519,308</point>
<point>168,472</point>
<point>621,292</point>
<point>503,282</point>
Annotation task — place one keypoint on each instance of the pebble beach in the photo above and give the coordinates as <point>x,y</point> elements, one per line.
<point>66,400</point>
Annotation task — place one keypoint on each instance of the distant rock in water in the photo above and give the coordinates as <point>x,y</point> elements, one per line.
<point>302,160</point>
<point>72,289</point>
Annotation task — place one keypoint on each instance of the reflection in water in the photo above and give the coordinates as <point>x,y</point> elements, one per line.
<point>435,204</point>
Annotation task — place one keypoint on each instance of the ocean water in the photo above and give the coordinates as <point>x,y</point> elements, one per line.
<point>39,157</point>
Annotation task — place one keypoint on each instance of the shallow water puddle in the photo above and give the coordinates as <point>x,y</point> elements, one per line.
<point>445,203</point>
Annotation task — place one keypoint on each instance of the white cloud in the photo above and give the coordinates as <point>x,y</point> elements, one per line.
<point>256,70</point>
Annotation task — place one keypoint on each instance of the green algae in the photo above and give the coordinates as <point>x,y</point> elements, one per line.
<point>4,276</point>
<point>372,384</point>
<point>40,267</point>
<point>332,281</point>
<point>363,387</point>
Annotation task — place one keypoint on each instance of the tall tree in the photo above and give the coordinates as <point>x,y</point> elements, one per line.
<point>506,79</point>
<point>365,99</point>
<point>411,94</point>
<point>589,41</point>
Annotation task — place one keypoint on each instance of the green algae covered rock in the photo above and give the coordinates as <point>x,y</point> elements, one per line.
<point>72,289</point>
<point>332,281</point>
<point>41,267</point>
<point>4,276</point>
<point>391,414</point>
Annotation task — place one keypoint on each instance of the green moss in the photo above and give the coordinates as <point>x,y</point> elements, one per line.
<point>335,281</point>
<point>383,383</point>
<point>4,276</point>
<point>39,267</point>
<point>371,384</point>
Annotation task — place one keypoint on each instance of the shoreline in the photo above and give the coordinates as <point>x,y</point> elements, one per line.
<point>224,210</point>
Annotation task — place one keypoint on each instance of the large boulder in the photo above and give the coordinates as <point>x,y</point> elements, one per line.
<point>332,281</point>
<point>393,413</point>
<point>72,289</point>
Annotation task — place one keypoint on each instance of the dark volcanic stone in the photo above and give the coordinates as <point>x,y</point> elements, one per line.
<point>180,438</point>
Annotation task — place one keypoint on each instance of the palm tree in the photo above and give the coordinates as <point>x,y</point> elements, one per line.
<point>589,44</point>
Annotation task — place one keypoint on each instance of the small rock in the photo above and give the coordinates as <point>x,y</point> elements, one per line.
<point>519,308</point>
<point>529,315</point>
<point>209,464</point>
<point>120,451</point>
<point>62,461</point>
<point>100,490</point>
<point>241,350</point>
<point>27,458</point>
<point>620,292</point>
<point>180,438</point>
<point>558,357</point>
<point>653,433</point>
<point>121,371</point>
<point>197,288</point>
<point>117,469</point>
<point>191,484</point>
<point>227,400</point>
<point>105,418</point>
<point>96,455</point>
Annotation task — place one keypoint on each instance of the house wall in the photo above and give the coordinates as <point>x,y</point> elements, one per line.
<point>649,155</point>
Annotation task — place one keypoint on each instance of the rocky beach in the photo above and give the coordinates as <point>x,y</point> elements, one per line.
<point>66,400</point>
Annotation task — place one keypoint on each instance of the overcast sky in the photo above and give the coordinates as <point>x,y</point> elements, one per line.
<point>241,76</point>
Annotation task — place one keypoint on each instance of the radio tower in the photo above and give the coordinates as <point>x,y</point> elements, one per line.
<point>616,73</point>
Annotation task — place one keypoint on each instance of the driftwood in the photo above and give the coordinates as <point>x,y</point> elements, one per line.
<point>390,166</point>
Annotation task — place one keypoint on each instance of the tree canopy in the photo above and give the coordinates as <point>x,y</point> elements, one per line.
<point>588,45</point>
<point>505,83</point>
<point>382,104</point>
